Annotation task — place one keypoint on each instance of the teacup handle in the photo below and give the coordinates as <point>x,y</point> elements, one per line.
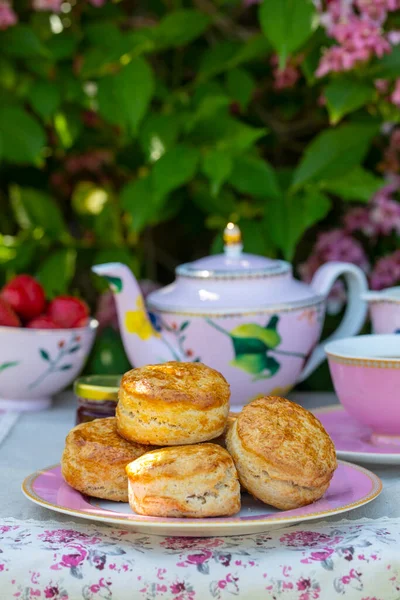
<point>356,310</point>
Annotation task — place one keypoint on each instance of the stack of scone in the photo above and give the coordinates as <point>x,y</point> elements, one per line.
<point>153,454</point>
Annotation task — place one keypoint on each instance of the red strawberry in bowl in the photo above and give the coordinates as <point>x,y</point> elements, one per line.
<point>7,315</point>
<point>67,311</point>
<point>25,296</point>
<point>42,322</point>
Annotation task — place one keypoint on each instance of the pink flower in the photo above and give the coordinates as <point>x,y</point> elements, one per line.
<point>394,37</point>
<point>183,543</point>
<point>75,558</point>
<point>303,584</point>
<point>385,213</point>
<point>358,219</point>
<point>200,558</point>
<point>322,555</point>
<point>386,271</point>
<point>359,40</point>
<point>300,539</point>
<point>375,10</point>
<point>65,536</point>
<point>395,97</point>
<point>178,587</point>
<point>337,245</point>
<point>8,17</point>
<point>284,78</point>
<point>48,5</point>
<point>222,584</point>
<point>382,85</point>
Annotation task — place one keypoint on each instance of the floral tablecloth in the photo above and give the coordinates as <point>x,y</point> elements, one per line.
<point>323,562</point>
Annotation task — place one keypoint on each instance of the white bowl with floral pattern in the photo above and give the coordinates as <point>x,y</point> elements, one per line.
<point>36,364</point>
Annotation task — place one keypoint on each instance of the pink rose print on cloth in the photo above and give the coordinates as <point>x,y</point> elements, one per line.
<point>321,562</point>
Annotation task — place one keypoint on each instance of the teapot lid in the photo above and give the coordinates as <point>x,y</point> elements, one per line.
<point>233,263</point>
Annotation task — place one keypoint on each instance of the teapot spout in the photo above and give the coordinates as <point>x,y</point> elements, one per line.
<point>142,342</point>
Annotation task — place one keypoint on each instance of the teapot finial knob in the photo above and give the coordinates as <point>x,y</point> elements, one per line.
<point>233,240</point>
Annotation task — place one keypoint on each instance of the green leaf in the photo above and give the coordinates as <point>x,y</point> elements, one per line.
<point>139,201</point>
<point>62,46</point>
<point>253,363</point>
<point>8,365</point>
<point>123,255</point>
<point>387,67</point>
<point>288,218</point>
<point>44,354</point>
<point>240,86</point>
<point>255,47</point>
<point>269,337</point>
<point>287,24</point>
<point>255,239</point>
<point>359,185</point>
<point>124,98</point>
<point>334,152</point>
<point>217,166</point>
<point>23,138</point>
<point>35,209</point>
<point>74,349</point>
<point>55,273</point>
<point>207,108</point>
<point>209,204</point>
<point>228,55</point>
<point>180,27</point>
<point>217,58</point>
<point>343,96</point>
<point>158,133</point>
<point>45,98</point>
<point>68,125</point>
<point>21,41</point>
<point>254,176</point>
<point>175,168</point>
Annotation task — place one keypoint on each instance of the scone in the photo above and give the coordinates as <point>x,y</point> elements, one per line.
<point>171,404</point>
<point>184,481</point>
<point>221,439</point>
<point>95,457</point>
<point>283,455</point>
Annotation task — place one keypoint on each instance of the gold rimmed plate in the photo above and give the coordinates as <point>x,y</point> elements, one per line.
<point>351,487</point>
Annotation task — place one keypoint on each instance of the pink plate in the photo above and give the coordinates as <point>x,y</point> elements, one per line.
<point>353,440</point>
<point>351,487</point>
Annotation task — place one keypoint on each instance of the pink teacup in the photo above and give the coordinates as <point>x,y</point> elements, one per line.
<point>366,375</point>
<point>384,310</point>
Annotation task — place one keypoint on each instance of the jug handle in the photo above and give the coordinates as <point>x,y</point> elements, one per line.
<point>356,310</point>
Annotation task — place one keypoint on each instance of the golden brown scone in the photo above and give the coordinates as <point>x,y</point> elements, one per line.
<point>221,439</point>
<point>283,455</point>
<point>95,457</point>
<point>184,481</point>
<point>172,403</point>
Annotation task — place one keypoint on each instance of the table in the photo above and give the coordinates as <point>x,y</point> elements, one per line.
<point>315,561</point>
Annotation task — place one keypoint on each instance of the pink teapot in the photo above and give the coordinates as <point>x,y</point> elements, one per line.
<point>242,314</point>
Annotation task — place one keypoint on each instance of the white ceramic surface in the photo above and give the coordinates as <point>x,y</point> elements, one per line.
<point>35,364</point>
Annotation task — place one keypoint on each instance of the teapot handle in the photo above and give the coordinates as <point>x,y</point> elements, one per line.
<point>356,310</point>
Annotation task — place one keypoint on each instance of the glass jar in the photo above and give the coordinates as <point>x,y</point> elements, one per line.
<point>97,397</point>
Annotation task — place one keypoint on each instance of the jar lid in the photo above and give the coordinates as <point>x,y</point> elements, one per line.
<point>98,387</point>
